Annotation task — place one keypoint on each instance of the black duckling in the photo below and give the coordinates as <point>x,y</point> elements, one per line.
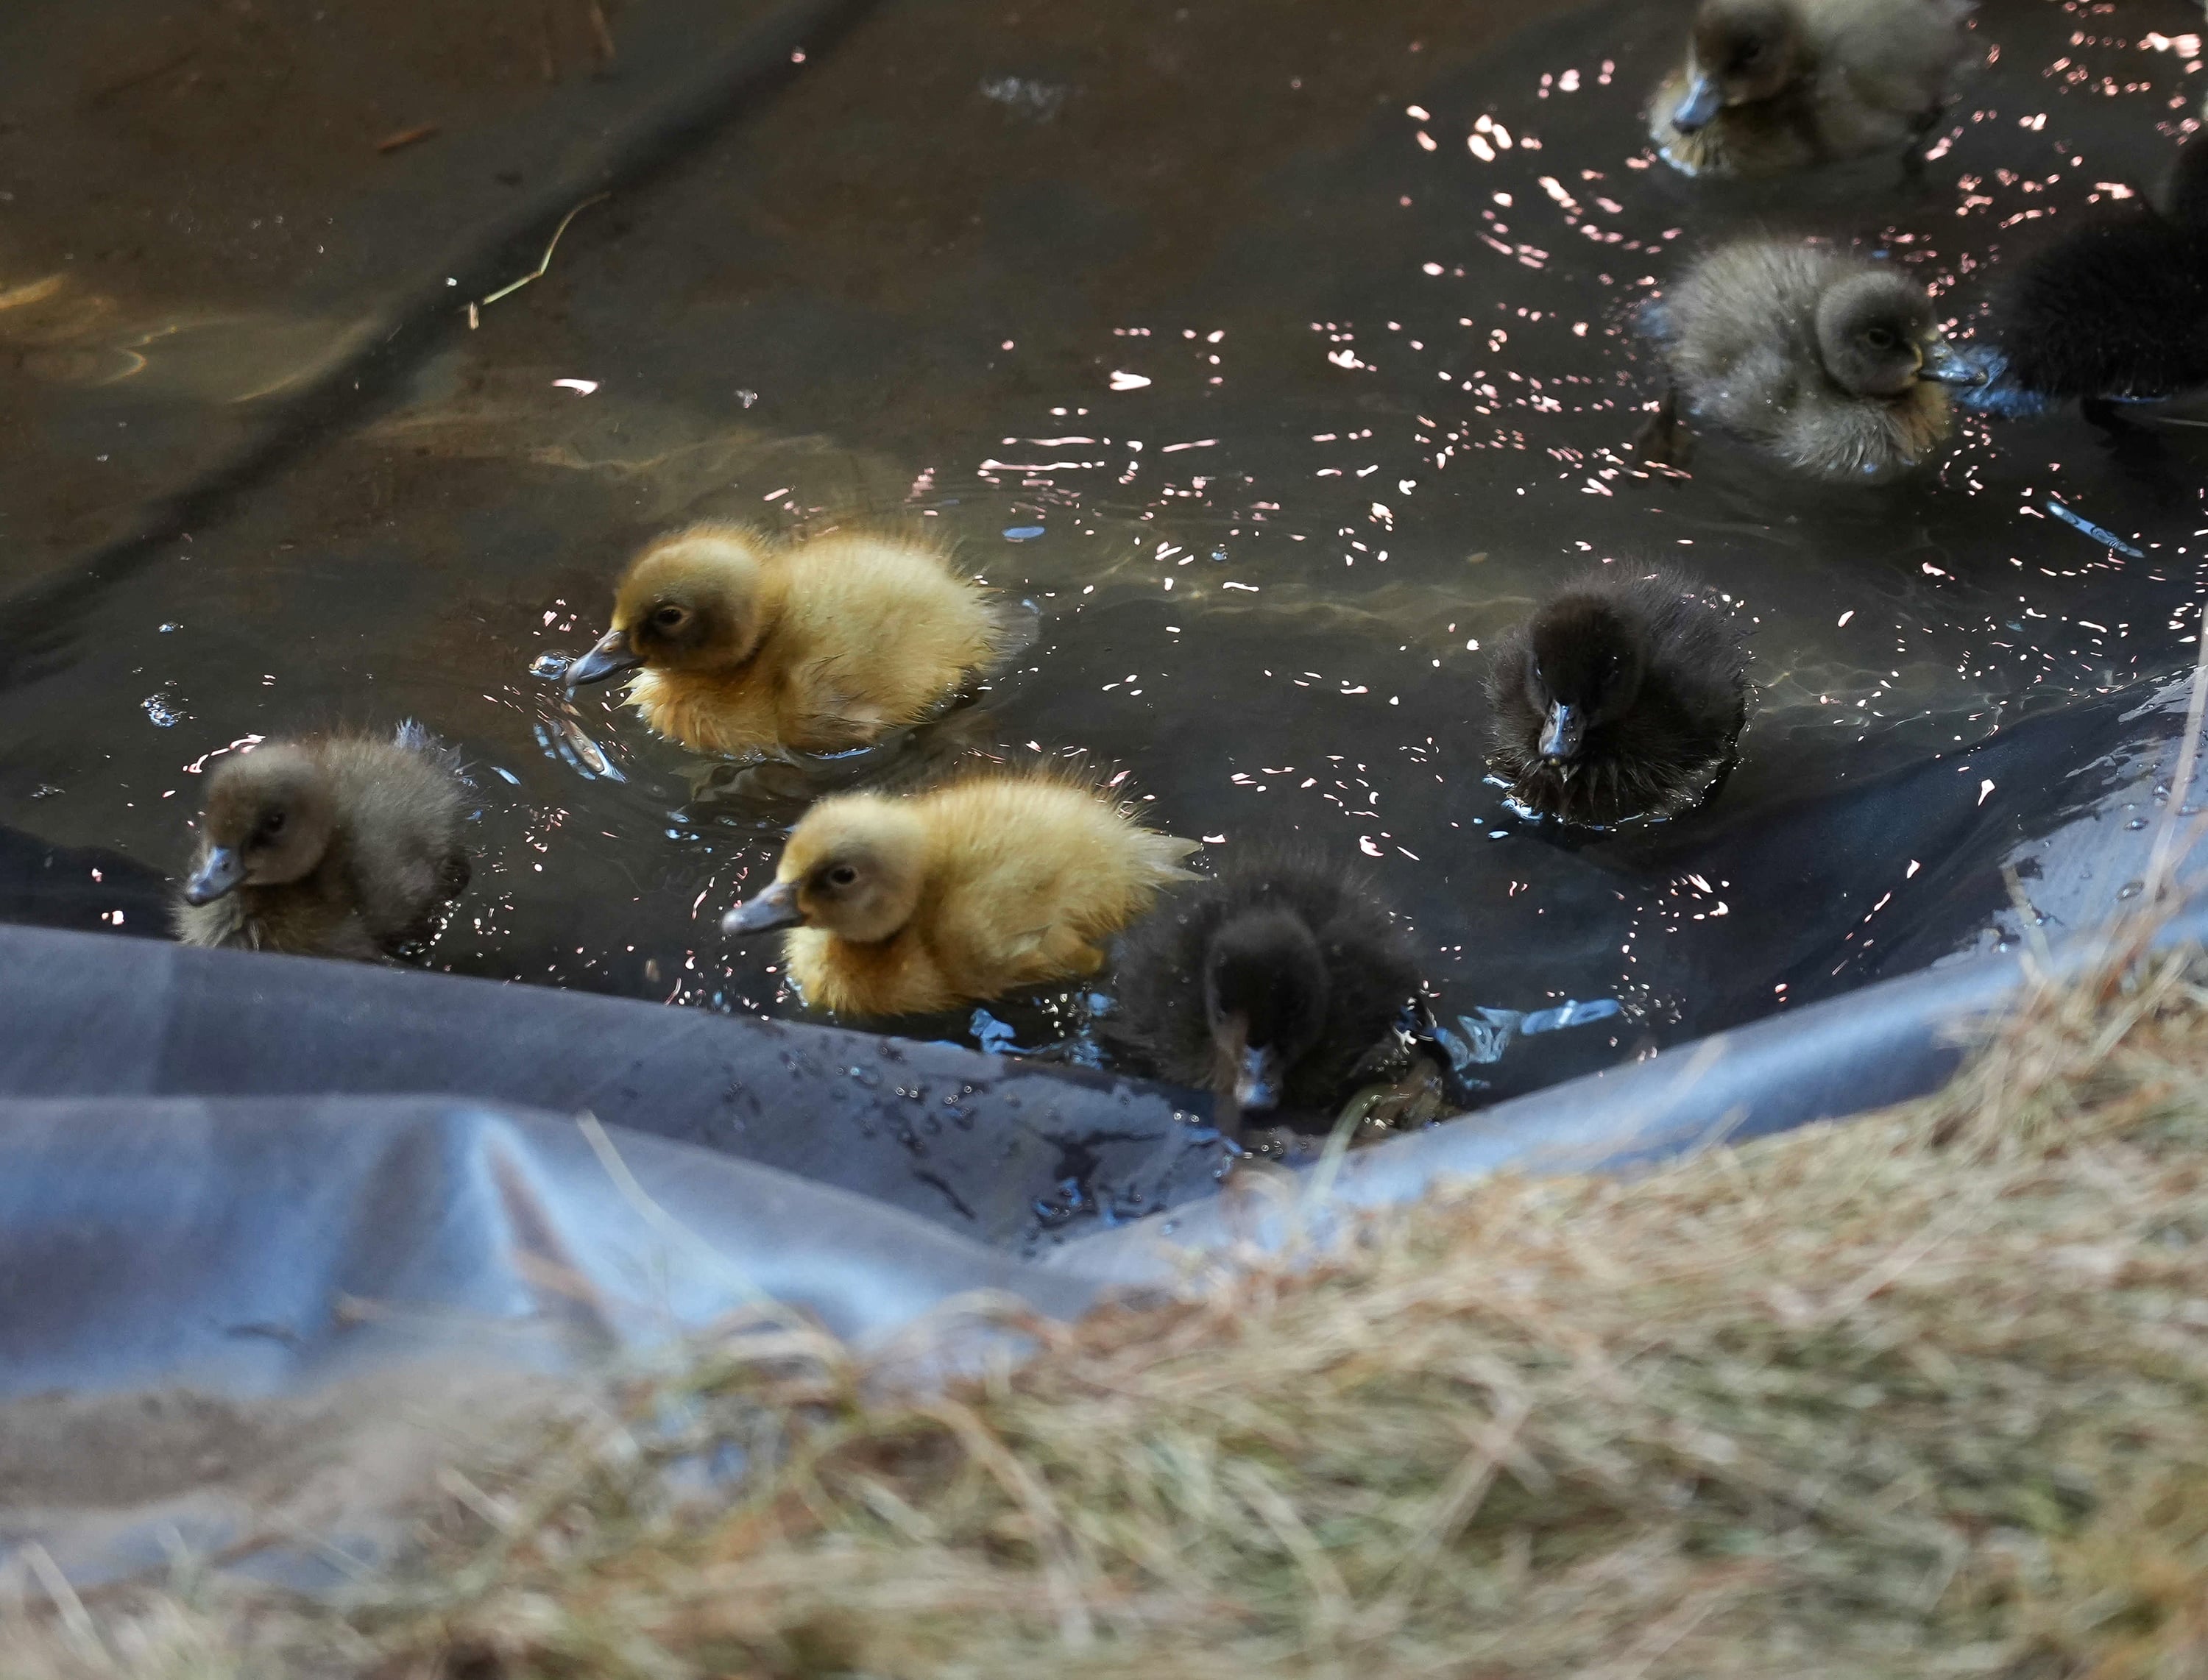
<point>1279,986</point>
<point>1776,85</point>
<point>2116,309</point>
<point>334,846</point>
<point>1623,696</point>
<point>1833,364</point>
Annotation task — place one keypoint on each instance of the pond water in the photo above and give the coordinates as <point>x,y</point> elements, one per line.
<point>1275,469</point>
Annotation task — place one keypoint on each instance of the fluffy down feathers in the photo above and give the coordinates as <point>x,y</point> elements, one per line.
<point>1744,335</point>
<point>747,648</point>
<point>2117,306</point>
<point>1850,78</point>
<point>1176,1013</point>
<point>987,884</point>
<point>340,845</point>
<point>1662,681</point>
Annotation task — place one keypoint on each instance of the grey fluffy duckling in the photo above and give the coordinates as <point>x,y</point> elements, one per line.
<point>1623,696</point>
<point>334,846</point>
<point>1834,363</point>
<point>1279,986</point>
<point>1775,85</point>
<point>2113,310</point>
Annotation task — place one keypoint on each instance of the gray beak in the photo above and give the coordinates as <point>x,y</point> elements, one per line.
<point>221,871</point>
<point>1704,100</point>
<point>1561,735</point>
<point>1257,1081</point>
<point>610,655</point>
<point>774,908</point>
<point>1944,364</point>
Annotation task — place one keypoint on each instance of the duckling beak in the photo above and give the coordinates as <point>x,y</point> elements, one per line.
<point>774,908</point>
<point>1704,100</point>
<point>1561,735</point>
<point>222,871</point>
<point>1944,364</point>
<point>611,654</point>
<point>1257,1081</point>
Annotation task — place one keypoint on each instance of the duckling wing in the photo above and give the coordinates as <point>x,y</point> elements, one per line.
<point>882,630</point>
<point>402,812</point>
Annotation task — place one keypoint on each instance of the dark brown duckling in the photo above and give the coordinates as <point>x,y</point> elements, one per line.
<point>1279,986</point>
<point>2116,309</point>
<point>332,846</point>
<point>1623,696</point>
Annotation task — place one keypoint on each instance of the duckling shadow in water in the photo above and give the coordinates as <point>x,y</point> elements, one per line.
<point>774,792</point>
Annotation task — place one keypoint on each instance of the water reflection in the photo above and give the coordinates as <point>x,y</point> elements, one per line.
<point>1272,525</point>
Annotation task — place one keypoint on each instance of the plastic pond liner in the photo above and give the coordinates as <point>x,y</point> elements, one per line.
<point>1280,358</point>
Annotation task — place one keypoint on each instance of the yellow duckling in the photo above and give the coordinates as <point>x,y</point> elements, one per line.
<point>1775,85</point>
<point>982,886</point>
<point>339,846</point>
<point>744,647</point>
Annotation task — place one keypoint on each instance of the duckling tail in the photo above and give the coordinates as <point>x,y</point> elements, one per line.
<point>411,737</point>
<point>1169,853</point>
<point>1014,628</point>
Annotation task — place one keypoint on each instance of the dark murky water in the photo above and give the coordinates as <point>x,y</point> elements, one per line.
<point>1273,501</point>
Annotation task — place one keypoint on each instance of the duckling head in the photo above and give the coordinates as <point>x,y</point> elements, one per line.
<point>269,820</point>
<point>1744,50</point>
<point>1585,659</point>
<point>1264,998</point>
<point>853,867</point>
<point>694,602</point>
<point>1877,337</point>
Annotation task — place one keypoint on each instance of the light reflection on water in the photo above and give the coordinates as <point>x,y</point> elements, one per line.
<point>1272,530</point>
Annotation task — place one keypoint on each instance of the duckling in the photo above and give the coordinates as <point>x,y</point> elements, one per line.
<point>1623,696</point>
<point>744,647</point>
<point>1775,85</point>
<point>334,846</point>
<point>1833,364</point>
<point>2114,309</point>
<point>1278,985</point>
<point>986,885</point>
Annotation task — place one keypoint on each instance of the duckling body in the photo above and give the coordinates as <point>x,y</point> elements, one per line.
<point>1770,85</point>
<point>1277,985</point>
<point>985,885</point>
<point>2117,307</point>
<point>1832,363</point>
<point>335,846</point>
<point>1621,697</point>
<point>747,648</point>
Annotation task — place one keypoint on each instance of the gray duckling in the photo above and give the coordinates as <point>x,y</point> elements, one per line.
<point>1831,362</point>
<point>1623,696</point>
<point>1770,85</point>
<point>340,845</point>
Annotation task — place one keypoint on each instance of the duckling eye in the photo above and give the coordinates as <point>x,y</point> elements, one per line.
<point>1879,338</point>
<point>669,618</point>
<point>842,875</point>
<point>273,823</point>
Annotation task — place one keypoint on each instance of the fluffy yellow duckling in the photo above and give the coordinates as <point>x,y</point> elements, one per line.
<point>742,646</point>
<point>1774,85</point>
<point>979,887</point>
<point>339,846</point>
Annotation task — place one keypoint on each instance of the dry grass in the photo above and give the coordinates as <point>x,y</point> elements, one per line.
<point>1923,1395</point>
